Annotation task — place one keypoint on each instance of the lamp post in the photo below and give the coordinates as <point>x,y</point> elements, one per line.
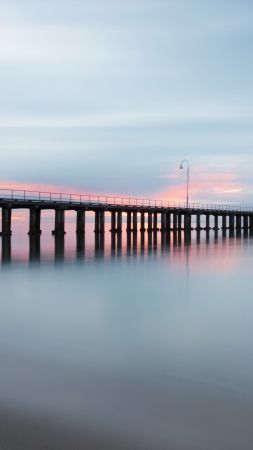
<point>188,171</point>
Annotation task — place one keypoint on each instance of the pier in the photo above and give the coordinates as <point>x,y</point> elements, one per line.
<point>174,222</point>
<point>140,214</point>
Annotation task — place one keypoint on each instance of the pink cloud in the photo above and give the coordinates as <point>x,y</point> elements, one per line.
<point>54,188</point>
<point>220,187</point>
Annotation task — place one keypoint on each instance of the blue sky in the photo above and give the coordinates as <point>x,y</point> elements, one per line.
<point>109,96</point>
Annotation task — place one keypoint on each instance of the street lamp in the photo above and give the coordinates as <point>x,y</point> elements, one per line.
<point>188,170</point>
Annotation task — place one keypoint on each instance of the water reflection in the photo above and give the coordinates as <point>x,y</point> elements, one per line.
<point>99,244</point>
<point>6,249</point>
<point>80,245</point>
<point>113,244</point>
<point>59,247</point>
<point>164,333</point>
<point>34,247</point>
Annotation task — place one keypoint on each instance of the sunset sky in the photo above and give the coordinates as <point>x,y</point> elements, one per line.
<point>109,95</point>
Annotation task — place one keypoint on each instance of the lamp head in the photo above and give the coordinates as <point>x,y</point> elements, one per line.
<point>181,166</point>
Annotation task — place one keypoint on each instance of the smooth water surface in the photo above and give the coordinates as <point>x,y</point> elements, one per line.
<point>136,347</point>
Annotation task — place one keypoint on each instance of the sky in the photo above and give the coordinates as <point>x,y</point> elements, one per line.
<point>108,96</point>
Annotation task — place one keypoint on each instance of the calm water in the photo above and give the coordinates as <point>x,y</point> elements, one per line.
<point>148,344</point>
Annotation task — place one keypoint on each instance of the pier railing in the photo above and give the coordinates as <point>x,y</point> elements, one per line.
<point>87,199</point>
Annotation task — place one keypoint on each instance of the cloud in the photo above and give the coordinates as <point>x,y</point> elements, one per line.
<point>110,95</point>
<point>51,44</point>
<point>216,188</point>
<point>126,119</point>
<point>219,187</point>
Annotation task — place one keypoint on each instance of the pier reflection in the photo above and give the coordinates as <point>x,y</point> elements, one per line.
<point>113,244</point>
<point>6,249</point>
<point>80,245</point>
<point>99,244</point>
<point>59,241</point>
<point>34,247</point>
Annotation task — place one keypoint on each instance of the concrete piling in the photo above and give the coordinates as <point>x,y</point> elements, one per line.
<point>179,220</point>
<point>142,228</point>
<point>80,221</point>
<point>198,222</point>
<point>245,222</point>
<point>224,222</point>
<point>34,222</point>
<point>168,221</point>
<point>149,221</point>
<point>216,222</point>
<point>113,221</point>
<point>187,222</point>
<point>231,221</point>
<point>97,221</point>
<point>135,219</point>
<point>119,221</point>
<point>129,221</point>
<point>101,221</point>
<point>174,221</point>
<point>59,222</point>
<point>163,221</point>
<point>207,222</point>
<point>155,221</point>
<point>238,221</point>
<point>6,221</point>
<point>251,223</point>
